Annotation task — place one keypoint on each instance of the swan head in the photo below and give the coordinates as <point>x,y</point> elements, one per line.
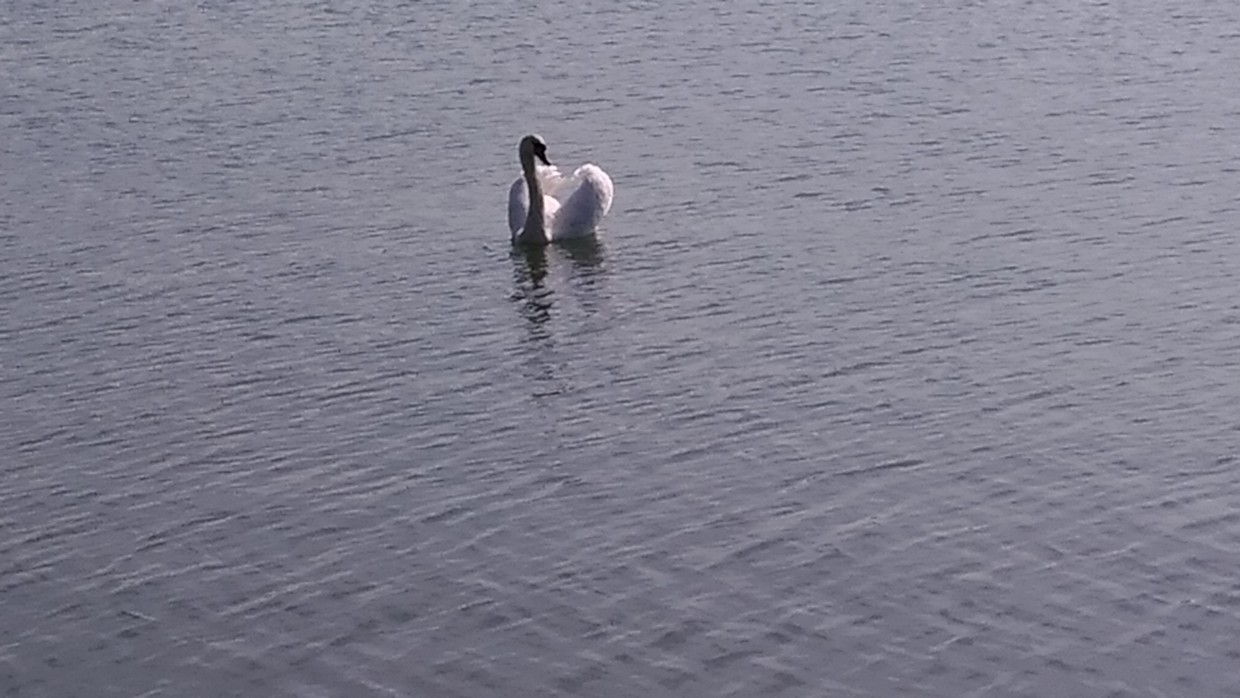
<point>533,146</point>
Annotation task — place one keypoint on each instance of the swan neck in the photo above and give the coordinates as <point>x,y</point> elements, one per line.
<point>535,216</point>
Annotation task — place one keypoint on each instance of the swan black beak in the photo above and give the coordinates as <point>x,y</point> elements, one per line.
<point>543,156</point>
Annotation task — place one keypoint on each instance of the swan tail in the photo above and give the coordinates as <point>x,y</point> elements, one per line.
<point>589,193</point>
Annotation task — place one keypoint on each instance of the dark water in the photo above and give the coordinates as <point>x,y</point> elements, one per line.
<point>905,365</point>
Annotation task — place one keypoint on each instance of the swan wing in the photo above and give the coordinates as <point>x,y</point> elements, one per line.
<point>518,205</point>
<point>586,197</point>
<point>551,210</point>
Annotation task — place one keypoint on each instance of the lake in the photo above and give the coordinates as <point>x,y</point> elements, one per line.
<point>905,363</point>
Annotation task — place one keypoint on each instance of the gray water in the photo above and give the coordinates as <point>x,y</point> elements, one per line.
<point>904,365</point>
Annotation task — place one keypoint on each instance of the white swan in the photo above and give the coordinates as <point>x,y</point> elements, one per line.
<point>545,206</point>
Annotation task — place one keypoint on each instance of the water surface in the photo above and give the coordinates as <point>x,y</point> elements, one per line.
<point>903,366</point>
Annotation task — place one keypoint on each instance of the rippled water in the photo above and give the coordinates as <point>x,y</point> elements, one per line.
<point>904,365</point>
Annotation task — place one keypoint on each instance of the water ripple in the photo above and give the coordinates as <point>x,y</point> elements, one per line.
<point>903,360</point>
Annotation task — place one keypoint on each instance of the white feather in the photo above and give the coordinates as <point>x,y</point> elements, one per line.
<point>573,206</point>
<point>549,179</point>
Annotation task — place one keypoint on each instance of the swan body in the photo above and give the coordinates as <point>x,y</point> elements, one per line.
<point>546,206</point>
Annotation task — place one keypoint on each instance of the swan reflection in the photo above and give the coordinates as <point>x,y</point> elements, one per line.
<point>570,271</point>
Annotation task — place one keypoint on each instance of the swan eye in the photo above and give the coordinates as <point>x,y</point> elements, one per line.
<point>537,147</point>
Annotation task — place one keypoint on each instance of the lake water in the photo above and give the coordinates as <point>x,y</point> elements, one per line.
<point>905,364</point>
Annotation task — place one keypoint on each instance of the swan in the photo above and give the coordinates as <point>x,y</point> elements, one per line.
<point>545,206</point>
